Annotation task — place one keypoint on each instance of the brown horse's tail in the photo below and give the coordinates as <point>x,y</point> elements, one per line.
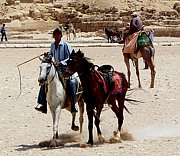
<point>127,110</point>
<point>131,101</point>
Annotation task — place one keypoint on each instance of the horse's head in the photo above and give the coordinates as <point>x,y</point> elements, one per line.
<point>45,68</point>
<point>74,63</point>
<point>106,30</point>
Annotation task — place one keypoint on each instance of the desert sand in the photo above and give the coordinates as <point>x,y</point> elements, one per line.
<point>154,124</point>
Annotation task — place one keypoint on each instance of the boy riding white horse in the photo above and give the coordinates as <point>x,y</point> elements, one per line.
<point>61,51</point>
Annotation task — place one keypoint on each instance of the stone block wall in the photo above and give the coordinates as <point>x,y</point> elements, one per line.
<point>89,19</point>
<point>26,1</point>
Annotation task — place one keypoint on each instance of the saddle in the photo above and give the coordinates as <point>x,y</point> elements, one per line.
<point>106,72</point>
<point>64,83</point>
<point>143,40</point>
<point>136,41</point>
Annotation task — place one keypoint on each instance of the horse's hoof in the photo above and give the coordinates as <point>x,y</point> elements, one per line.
<point>85,145</point>
<point>114,140</point>
<point>44,144</point>
<point>52,144</point>
<point>101,138</point>
<point>75,128</point>
<point>59,144</point>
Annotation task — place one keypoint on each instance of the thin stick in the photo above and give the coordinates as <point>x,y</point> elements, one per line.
<point>20,72</point>
<point>20,82</point>
<point>29,60</point>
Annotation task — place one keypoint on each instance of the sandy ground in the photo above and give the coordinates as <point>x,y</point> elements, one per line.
<point>154,124</point>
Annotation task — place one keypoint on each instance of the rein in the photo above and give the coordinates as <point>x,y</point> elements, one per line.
<point>54,73</point>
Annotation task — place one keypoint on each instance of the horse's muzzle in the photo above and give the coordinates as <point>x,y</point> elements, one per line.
<point>41,81</point>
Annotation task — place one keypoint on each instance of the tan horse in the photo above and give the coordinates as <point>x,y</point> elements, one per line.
<point>147,53</point>
<point>69,28</point>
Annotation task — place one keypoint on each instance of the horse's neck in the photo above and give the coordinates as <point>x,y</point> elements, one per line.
<point>53,78</point>
<point>55,93</point>
<point>86,76</point>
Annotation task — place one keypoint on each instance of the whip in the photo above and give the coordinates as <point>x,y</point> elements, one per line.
<point>20,72</point>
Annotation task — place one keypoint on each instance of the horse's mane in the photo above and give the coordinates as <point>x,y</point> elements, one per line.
<point>86,60</point>
<point>46,59</point>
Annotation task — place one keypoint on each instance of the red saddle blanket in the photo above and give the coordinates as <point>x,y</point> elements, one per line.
<point>118,84</point>
<point>117,80</point>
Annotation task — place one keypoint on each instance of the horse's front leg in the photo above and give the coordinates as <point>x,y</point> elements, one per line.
<point>153,73</point>
<point>90,124</point>
<point>148,56</point>
<point>126,60</point>
<point>81,110</point>
<point>55,115</point>
<point>97,123</point>
<point>108,39</point>
<point>137,72</point>
<point>56,121</point>
<point>74,34</point>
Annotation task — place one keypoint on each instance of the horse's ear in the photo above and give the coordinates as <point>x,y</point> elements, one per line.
<point>41,59</point>
<point>50,57</point>
<point>82,54</point>
<point>73,51</point>
<point>46,54</point>
<point>79,53</point>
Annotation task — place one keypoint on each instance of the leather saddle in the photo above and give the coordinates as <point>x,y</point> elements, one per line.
<point>107,73</point>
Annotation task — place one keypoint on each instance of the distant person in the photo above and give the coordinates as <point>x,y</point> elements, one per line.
<point>135,24</point>
<point>151,35</point>
<point>131,35</point>
<point>3,33</point>
<point>60,51</point>
<point>67,25</point>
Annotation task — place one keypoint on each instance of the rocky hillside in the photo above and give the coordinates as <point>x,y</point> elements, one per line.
<point>90,15</point>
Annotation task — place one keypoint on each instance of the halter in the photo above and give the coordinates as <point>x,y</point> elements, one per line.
<point>52,63</point>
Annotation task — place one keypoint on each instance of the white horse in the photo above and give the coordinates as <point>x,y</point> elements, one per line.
<point>56,96</point>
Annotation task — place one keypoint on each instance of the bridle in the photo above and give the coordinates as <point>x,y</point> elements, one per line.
<point>47,73</point>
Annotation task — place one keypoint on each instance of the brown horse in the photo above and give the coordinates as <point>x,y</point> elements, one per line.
<point>148,55</point>
<point>95,95</point>
<point>111,34</point>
